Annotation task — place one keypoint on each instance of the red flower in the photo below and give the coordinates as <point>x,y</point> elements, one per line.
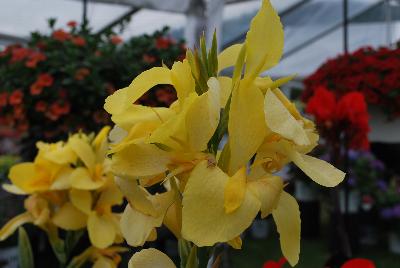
<point>41,106</point>
<point>34,58</point>
<point>45,80</point>
<point>322,105</point>
<point>148,58</point>
<point>19,112</point>
<point>115,39</point>
<point>72,24</point>
<point>16,97</point>
<point>163,43</point>
<point>19,54</point>
<point>78,41</point>
<point>3,99</point>
<point>81,73</point>
<point>273,264</point>
<point>36,89</point>
<point>358,263</point>
<point>61,35</point>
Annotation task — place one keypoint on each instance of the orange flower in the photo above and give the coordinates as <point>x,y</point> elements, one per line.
<point>34,58</point>
<point>40,106</point>
<point>78,41</point>
<point>148,58</point>
<point>36,89</point>
<point>19,112</point>
<point>16,97</point>
<point>19,54</point>
<point>115,39</point>
<point>81,74</point>
<point>61,35</point>
<point>3,99</point>
<point>163,42</point>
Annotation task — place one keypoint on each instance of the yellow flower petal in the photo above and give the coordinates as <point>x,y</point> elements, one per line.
<point>287,219</point>
<point>182,79</point>
<point>26,177</point>
<point>228,56</point>
<point>101,229</point>
<point>110,196</point>
<point>13,224</point>
<point>103,262</point>
<point>225,84</point>
<point>236,243</point>
<point>13,189</point>
<point>203,117</point>
<point>136,227</point>
<point>68,217</point>
<point>82,179</point>
<point>318,170</point>
<point>81,199</point>
<point>83,150</point>
<point>63,154</point>
<point>137,196</point>
<point>268,191</point>
<point>235,190</point>
<point>150,258</point>
<point>63,179</point>
<point>280,120</point>
<point>246,125</point>
<point>207,224</point>
<point>139,160</point>
<point>173,218</point>
<point>264,40</point>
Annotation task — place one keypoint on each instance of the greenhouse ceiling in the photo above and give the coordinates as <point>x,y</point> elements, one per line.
<point>313,28</point>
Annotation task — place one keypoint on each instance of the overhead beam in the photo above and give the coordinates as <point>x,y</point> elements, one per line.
<point>118,20</point>
<point>13,39</point>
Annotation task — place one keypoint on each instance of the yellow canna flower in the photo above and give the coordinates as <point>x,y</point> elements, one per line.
<point>101,258</point>
<point>150,258</point>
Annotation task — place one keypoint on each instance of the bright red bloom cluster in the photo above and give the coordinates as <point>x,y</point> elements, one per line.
<point>359,263</point>
<point>375,73</point>
<point>273,264</point>
<point>347,114</point>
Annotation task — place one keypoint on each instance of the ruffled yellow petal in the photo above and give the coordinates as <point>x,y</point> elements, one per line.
<point>264,40</point>
<point>287,219</point>
<point>182,79</point>
<point>235,190</point>
<point>62,154</point>
<point>137,196</point>
<point>268,191</point>
<point>103,262</point>
<point>63,179</point>
<point>81,199</point>
<point>207,224</point>
<point>13,224</point>
<point>318,170</point>
<point>82,179</point>
<point>150,258</point>
<point>281,121</point>
<point>83,150</point>
<point>110,196</point>
<point>135,114</point>
<point>173,218</point>
<point>136,227</point>
<point>101,229</point>
<point>203,117</point>
<point>140,160</point>
<point>246,125</point>
<point>26,176</point>
<point>228,56</point>
<point>68,217</point>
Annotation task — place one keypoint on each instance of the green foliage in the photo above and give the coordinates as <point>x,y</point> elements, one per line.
<point>25,256</point>
<point>6,161</point>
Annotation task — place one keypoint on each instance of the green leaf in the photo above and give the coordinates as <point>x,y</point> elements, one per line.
<point>25,256</point>
<point>184,251</point>
<point>72,238</point>
<point>57,245</point>
<point>192,261</point>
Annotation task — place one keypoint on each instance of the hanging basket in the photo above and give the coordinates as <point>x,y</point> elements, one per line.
<point>383,129</point>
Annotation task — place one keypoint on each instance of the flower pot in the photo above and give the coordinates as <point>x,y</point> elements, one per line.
<point>383,130</point>
<point>394,243</point>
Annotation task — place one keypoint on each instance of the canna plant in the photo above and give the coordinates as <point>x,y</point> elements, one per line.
<point>211,196</point>
<point>69,187</point>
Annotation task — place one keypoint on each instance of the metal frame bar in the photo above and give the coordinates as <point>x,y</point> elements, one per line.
<point>118,20</point>
<point>13,38</point>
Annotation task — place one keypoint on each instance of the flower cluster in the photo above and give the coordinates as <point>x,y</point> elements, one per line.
<point>212,196</point>
<point>334,116</point>
<point>59,81</point>
<point>70,187</point>
<point>373,72</point>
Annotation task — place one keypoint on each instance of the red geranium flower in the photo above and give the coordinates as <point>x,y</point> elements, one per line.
<point>359,263</point>
<point>115,39</point>
<point>36,89</point>
<point>322,105</point>
<point>61,35</point>
<point>72,24</point>
<point>34,58</point>
<point>41,106</point>
<point>78,41</point>
<point>81,73</point>
<point>19,54</point>
<point>45,80</point>
<point>16,97</point>
<point>148,58</point>
<point>273,264</point>
<point>3,99</point>
<point>163,42</point>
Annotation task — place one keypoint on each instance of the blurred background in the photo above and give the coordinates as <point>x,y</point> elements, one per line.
<point>59,59</point>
